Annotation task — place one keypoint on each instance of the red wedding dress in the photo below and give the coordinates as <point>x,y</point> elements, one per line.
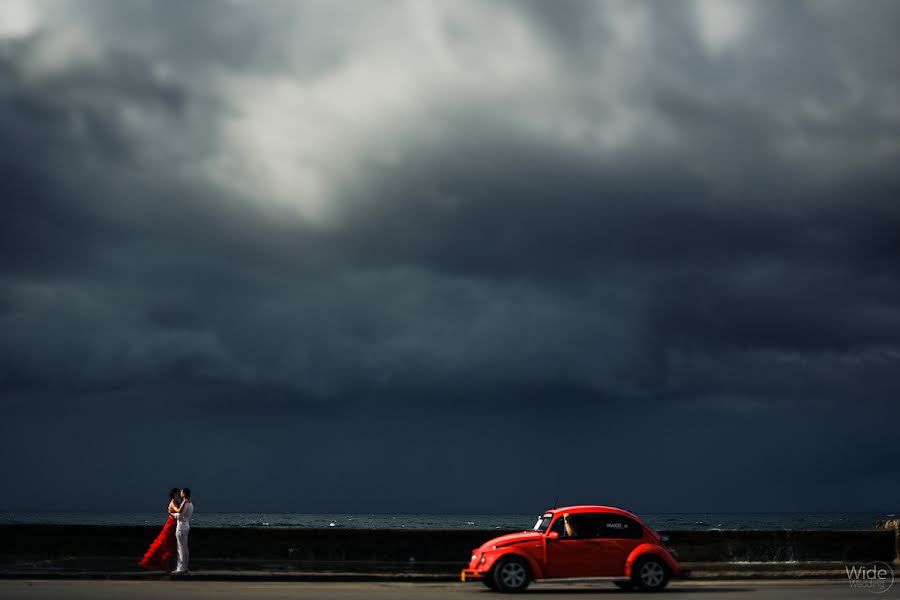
<point>161,552</point>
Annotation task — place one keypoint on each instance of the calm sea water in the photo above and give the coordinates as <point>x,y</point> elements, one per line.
<point>426,521</point>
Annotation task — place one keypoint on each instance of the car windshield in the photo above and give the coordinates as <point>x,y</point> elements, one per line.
<point>543,522</point>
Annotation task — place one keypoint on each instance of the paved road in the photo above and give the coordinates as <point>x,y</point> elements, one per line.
<point>187,590</point>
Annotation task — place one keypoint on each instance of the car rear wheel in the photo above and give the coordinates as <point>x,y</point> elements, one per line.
<point>650,574</point>
<point>511,574</point>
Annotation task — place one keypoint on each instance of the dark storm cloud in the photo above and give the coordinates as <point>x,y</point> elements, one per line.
<point>371,262</point>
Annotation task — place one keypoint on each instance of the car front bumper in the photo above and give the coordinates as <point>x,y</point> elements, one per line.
<point>471,575</point>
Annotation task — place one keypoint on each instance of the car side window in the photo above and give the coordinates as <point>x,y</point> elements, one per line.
<point>577,527</point>
<point>591,525</point>
<point>615,527</point>
<point>559,526</point>
<point>598,525</point>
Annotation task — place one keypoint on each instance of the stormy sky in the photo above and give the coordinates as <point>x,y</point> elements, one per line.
<point>450,256</point>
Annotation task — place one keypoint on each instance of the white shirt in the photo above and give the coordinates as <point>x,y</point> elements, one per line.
<point>184,516</point>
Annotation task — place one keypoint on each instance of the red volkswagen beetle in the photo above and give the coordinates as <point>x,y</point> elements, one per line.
<point>597,542</point>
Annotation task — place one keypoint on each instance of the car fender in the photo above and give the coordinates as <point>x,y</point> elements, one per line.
<point>536,571</point>
<point>655,550</point>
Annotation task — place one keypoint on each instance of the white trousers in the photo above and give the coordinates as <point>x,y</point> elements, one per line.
<point>181,536</point>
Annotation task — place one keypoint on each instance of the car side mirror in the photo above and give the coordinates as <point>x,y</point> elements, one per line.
<point>553,535</point>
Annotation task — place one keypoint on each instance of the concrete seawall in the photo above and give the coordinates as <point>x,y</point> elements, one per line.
<point>423,545</point>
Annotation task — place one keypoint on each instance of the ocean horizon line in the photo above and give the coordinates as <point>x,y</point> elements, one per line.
<point>507,521</point>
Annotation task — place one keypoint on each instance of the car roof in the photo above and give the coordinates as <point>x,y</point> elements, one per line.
<point>584,508</point>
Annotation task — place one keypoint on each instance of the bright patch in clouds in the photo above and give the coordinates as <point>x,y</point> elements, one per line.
<point>17,18</point>
<point>723,23</point>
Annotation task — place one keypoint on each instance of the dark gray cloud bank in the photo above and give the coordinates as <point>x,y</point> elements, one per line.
<point>450,256</point>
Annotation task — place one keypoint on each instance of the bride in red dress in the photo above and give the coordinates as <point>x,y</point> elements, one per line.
<point>161,552</point>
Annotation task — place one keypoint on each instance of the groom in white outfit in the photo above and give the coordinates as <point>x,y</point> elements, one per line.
<point>182,529</point>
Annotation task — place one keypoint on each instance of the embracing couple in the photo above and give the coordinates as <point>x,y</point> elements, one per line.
<point>174,535</point>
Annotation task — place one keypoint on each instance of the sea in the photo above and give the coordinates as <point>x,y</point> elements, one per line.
<point>660,521</point>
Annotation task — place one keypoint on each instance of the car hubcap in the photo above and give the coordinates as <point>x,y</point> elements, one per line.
<point>512,574</point>
<point>652,574</point>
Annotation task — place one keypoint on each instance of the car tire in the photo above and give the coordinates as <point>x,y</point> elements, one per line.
<point>649,574</point>
<point>511,574</point>
<point>624,585</point>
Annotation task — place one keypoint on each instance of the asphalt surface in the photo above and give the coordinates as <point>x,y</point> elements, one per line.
<point>186,590</point>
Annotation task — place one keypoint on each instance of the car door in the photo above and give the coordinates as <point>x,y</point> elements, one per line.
<point>578,556</point>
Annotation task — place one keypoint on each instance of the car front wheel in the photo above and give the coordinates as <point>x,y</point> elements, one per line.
<point>650,574</point>
<point>511,574</point>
